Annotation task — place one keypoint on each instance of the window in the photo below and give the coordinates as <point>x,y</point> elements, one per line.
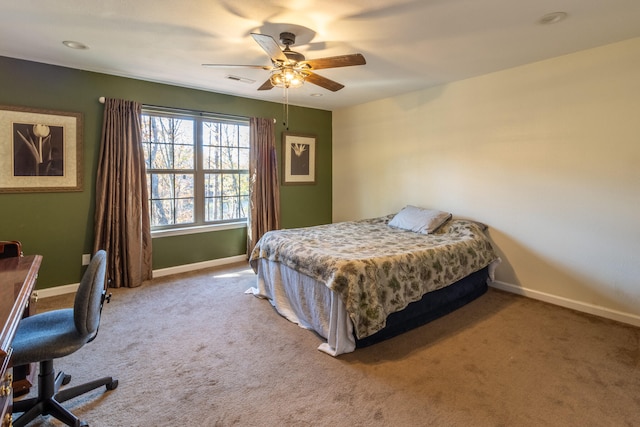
<point>197,168</point>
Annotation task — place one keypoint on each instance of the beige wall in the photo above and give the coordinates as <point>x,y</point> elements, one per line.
<point>547,154</point>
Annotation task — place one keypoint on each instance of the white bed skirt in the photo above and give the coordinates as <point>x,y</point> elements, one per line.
<point>307,302</point>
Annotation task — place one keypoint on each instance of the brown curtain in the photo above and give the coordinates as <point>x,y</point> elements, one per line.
<point>264,191</point>
<point>122,225</point>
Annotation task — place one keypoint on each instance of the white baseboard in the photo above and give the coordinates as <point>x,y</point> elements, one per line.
<point>56,290</point>
<point>198,266</point>
<point>68,289</point>
<point>596,310</point>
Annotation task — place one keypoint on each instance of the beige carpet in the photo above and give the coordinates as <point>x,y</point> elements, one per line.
<point>195,350</point>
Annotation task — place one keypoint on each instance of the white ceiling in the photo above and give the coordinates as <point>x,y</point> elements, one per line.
<point>408,44</point>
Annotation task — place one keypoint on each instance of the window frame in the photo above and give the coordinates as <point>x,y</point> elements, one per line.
<point>199,224</point>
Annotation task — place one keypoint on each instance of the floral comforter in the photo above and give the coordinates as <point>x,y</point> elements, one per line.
<point>377,269</point>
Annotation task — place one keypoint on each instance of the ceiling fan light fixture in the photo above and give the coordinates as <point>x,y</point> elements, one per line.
<point>287,77</point>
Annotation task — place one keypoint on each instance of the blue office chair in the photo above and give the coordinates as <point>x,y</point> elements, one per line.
<point>54,334</point>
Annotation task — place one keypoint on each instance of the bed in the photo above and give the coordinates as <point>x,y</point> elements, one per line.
<point>358,282</point>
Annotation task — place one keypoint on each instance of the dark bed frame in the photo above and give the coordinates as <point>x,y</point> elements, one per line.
<point>432,306</point>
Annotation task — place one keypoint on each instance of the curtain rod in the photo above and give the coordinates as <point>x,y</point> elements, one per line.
<point>102,100</point>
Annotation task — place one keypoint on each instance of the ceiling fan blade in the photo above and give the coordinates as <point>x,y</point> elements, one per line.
<point>335,61</point>
<point>324,82</point>
<point>258,67</point>
<point>266,85</point>
<point>270,46</point>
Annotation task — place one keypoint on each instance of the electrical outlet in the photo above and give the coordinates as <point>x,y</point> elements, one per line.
<point>86,259</point>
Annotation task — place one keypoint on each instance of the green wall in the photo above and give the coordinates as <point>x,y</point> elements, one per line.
<point>59,226</point>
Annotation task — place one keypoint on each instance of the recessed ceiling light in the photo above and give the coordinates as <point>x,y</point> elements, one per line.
<point>75,45</point>
<point>552,18</point>
<point>315,94</point>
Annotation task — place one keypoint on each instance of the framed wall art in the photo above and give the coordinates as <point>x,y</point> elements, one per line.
<point>40,150</point>
<point>299,159</point>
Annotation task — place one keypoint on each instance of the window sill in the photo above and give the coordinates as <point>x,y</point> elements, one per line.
<point>198,229</point>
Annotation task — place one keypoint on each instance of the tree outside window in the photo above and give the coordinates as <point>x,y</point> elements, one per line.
<point>197,168</point>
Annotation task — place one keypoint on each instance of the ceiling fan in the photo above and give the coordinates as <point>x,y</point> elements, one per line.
<point>290,68</point>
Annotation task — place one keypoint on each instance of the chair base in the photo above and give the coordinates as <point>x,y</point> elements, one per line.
<point>49,400</point>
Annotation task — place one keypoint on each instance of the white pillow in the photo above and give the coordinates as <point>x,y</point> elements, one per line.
<point>420,220</point>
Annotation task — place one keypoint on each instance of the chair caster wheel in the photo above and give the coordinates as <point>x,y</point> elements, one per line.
<point>112,385</point>
<point>66,379</point>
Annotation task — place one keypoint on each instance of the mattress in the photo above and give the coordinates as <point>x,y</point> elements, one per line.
<point>310,304</point>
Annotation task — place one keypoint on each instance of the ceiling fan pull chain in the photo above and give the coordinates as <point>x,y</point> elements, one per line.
<point>285,108</point>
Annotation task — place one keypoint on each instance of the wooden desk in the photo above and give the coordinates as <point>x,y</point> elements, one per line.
<point>17,280</point>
